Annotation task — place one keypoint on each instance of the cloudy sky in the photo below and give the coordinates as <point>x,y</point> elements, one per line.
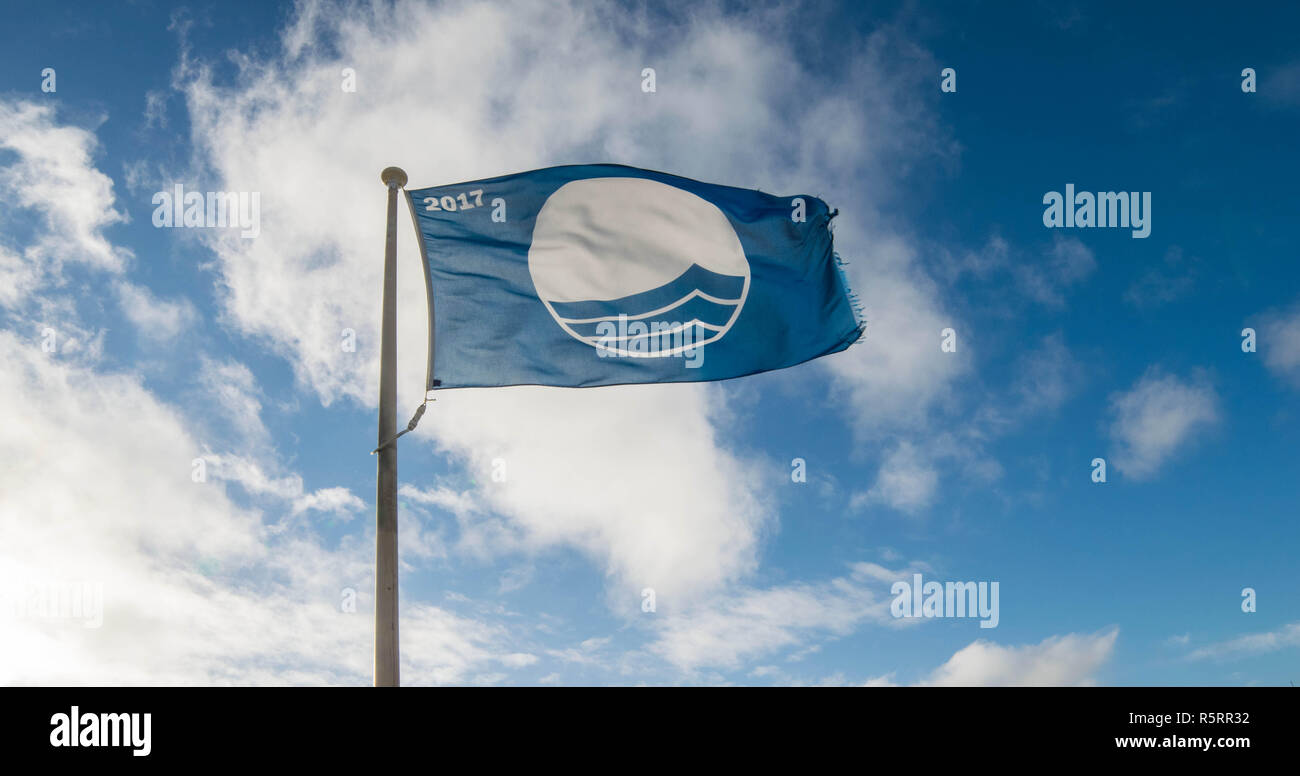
<point>184,427</point>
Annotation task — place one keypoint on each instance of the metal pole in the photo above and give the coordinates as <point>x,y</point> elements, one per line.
<point>386,645</point>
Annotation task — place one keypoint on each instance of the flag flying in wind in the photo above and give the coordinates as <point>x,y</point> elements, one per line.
<point>589,275</point>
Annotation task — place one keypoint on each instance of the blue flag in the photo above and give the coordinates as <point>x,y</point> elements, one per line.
<point>589,275</point>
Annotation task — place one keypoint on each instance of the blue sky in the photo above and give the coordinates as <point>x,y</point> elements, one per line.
<point>177,345</point>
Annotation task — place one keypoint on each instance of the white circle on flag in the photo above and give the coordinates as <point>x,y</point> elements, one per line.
<point>654,253</point>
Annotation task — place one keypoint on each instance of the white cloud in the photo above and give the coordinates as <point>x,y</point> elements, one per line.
<point>54,176</point>
<point>894,378</point>
<point>233,388</point>
<point>1158,415</point>
<point>1251,644</point>
<point>17,278</point>
<point>1278,341</point>
<point>338,501</point>
<point>1043,279</point>
<point>906,482</point>
<point>251,475</point>
<point>676,510</point>
<point>106,496</point>
<point>887,680</point>
<point>1165,283</point>
<point>51,192</point>
<point>1069,261</point>
<point>156,319</point>
<point>588,652</point>
<point>1041,380</point>
<point>752,622</point>
<point>909,478</point>
<point>1068,660</point>
<point>155,109</point>
<point>1045,376</point>
<point>442,648</point>
<point>228,599</point>
<point>458,503</point>
<point>1281,84</point>
<point>98,489</point>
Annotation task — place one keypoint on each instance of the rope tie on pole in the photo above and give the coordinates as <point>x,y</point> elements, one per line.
<point>415,421</point>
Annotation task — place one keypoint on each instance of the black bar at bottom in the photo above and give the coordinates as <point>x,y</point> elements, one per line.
<point>424,726</point>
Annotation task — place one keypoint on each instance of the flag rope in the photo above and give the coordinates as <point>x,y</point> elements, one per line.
<point>415,421</point>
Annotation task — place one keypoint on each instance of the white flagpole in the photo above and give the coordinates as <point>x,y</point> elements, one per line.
<point>386,644</point>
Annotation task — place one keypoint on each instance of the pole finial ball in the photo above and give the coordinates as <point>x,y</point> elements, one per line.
<point>393,177</point>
